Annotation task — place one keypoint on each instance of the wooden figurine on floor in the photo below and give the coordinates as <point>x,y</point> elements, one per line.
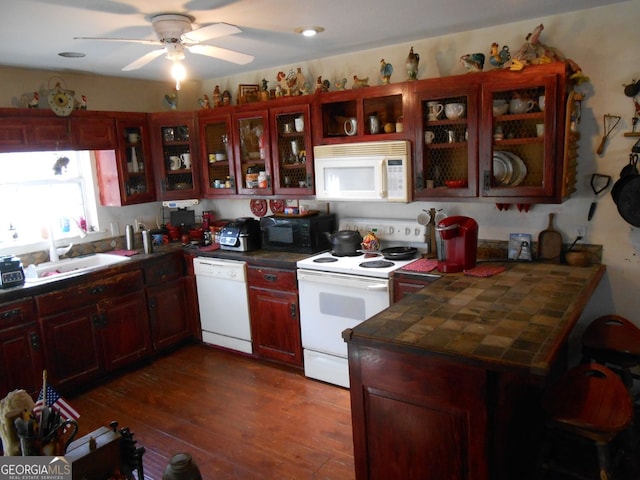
<point>13,406</point>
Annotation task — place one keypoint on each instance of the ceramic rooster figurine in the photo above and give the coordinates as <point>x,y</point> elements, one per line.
<point>386,69</point>
<point>360,82</point>
<point>341,84</point>
<point>498,58</point>
<point>33,103</point>
<point>473,62</point>
<point>204,102</point>
<point>82,104</point>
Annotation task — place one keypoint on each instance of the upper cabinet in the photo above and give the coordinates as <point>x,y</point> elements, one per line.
<point>217,157</point>
<point>446,139</point>
<point>175,155</point>
<point>37,130</point>
<point>499,136</point>
<point>291,149</point>
<point>125,175</point>
<point>251,151</point>
<point>362,114</point>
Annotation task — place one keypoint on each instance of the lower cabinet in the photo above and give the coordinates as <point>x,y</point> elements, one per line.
<point>167,301</point>
<point>94,328</point>
<point>275,316</point>
<point>408,284</point>
<point>21,350</point>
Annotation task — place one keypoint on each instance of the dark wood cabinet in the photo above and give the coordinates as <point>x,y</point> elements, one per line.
<point>94,328</point>
<point>37,130</point>
<point>251,151</point>
<point>409,419</point>
<point>167,301</point>
<point>502,154</point>
<point>275,316</point>
<point>217,153</point>
<point>408,284</point>
<point>174,140</point>
<point>21,348</point>
<point>125,175</point>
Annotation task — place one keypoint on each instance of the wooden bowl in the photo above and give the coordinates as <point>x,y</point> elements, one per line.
<point>577,258</point>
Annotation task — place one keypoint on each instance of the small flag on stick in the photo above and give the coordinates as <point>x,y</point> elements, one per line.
<point>52,399</point>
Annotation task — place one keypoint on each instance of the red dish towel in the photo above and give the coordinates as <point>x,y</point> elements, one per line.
<point>421,265</point>
<point>126,253</point>
<point>209,248</point>
<point>484,270</point>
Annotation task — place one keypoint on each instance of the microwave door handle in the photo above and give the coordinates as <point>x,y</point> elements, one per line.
<point>383,192</point>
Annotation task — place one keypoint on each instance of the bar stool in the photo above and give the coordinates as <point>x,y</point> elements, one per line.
<point>615,341</point>
<point>590,403</point>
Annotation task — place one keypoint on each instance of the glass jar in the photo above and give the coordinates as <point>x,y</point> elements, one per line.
<point>181,467</point>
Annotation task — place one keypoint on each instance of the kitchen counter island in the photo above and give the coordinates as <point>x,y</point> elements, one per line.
<point>445,383</point>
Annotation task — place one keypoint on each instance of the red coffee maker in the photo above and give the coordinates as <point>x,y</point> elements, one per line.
<point>457,239</point>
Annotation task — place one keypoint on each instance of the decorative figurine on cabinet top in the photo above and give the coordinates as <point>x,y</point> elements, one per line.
<point>360,82</point>
<point>473,62</point>
<point>413,59</point>
<point>171,100</point>
<point>341,84</point>
<point>498,58</point>
<point>322,86</point>
<point>35,100</point>
<point>386,69</point>
<point>204,102</point>
<point>217,96</point>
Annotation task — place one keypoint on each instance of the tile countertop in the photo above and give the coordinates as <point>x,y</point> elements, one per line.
<point>517,320</point>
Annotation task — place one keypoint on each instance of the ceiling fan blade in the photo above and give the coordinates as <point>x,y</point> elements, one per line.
<point>130,40</point>
<point>212,31</point>
<point>143,60</point>
<point>221,53</point>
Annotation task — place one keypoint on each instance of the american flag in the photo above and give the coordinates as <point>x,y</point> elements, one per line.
<point>56,402</point>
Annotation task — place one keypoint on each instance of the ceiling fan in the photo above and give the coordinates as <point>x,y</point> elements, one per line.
<point>175,34</point>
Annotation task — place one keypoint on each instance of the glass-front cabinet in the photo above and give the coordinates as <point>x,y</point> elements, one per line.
<point>292,151</point>
<point>446,140</point>
<point>518,138</point>
<point>252,153</point>
<point>175,155</point>
<point>219,177</point>
<point>125,175</point>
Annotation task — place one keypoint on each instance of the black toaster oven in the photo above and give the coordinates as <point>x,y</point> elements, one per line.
<point>297,234</point>
<point>11,273</point>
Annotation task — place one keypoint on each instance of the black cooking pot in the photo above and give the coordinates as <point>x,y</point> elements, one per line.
<point>399,253</point>
<point>628,199</point>
<point>345,243</point>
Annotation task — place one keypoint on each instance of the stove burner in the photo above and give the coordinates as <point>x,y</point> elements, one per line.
<point>354,254</point>
<point>377,264</point>
<point>325,260</point>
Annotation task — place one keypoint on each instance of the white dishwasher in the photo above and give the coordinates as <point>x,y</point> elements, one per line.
<point>223,302</point>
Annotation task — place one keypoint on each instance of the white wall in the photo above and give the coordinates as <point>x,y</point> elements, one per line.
<point>605,43</point>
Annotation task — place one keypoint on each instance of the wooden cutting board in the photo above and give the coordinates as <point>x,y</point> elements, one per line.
<point>550,243</point>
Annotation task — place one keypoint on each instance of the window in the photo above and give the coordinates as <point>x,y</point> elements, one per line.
<point>45,190</point>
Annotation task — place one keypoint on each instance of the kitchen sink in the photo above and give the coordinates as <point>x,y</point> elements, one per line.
<point>49,272</point>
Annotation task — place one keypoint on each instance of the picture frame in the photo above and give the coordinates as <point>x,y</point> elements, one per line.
<point>248,93</point>
<point>520,247</point>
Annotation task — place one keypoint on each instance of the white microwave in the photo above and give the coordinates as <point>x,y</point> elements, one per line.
<point>368,171</point>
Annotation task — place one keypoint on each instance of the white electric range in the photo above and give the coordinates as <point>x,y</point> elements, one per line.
<point>337,293</point>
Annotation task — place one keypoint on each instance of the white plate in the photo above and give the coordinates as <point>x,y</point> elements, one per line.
<point>519,169</point>
<point>502,168</point>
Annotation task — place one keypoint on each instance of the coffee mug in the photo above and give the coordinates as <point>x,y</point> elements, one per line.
<point>518,105</point>
<point>454,110</point>
<point>175,163</point>
<point>434,110</point>
<point>540,129</point>
<point>134,137</point>
<point>287,128</point>
<point>429,136</point>
<point>541,103</point>
<point>186,159</point>
<point>500,107</point>
<point>299,124</point>
<point>351,126</point>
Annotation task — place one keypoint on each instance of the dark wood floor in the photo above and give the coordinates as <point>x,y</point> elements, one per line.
<point>237,417</point>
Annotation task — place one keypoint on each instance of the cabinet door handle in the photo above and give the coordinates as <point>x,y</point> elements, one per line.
<point>152,302</point>
<point>11,313</point>
<point>293,309</point>
<point>98,289</point>
<point>34,340</point>
<point>269,277</point>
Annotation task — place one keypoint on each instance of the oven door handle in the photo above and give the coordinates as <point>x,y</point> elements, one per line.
<point>343,280</point>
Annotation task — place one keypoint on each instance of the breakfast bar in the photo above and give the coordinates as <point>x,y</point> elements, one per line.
<point>445,383</point>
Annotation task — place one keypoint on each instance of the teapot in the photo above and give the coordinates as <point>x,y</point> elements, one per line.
<point>345,243</point>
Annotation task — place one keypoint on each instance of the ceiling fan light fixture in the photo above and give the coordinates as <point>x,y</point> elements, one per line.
<point>309,31</point>
<point>175,51</point>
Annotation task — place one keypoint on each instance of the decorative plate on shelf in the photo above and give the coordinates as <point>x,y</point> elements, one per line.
<point>277,206</point>
<point>258,207</point>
